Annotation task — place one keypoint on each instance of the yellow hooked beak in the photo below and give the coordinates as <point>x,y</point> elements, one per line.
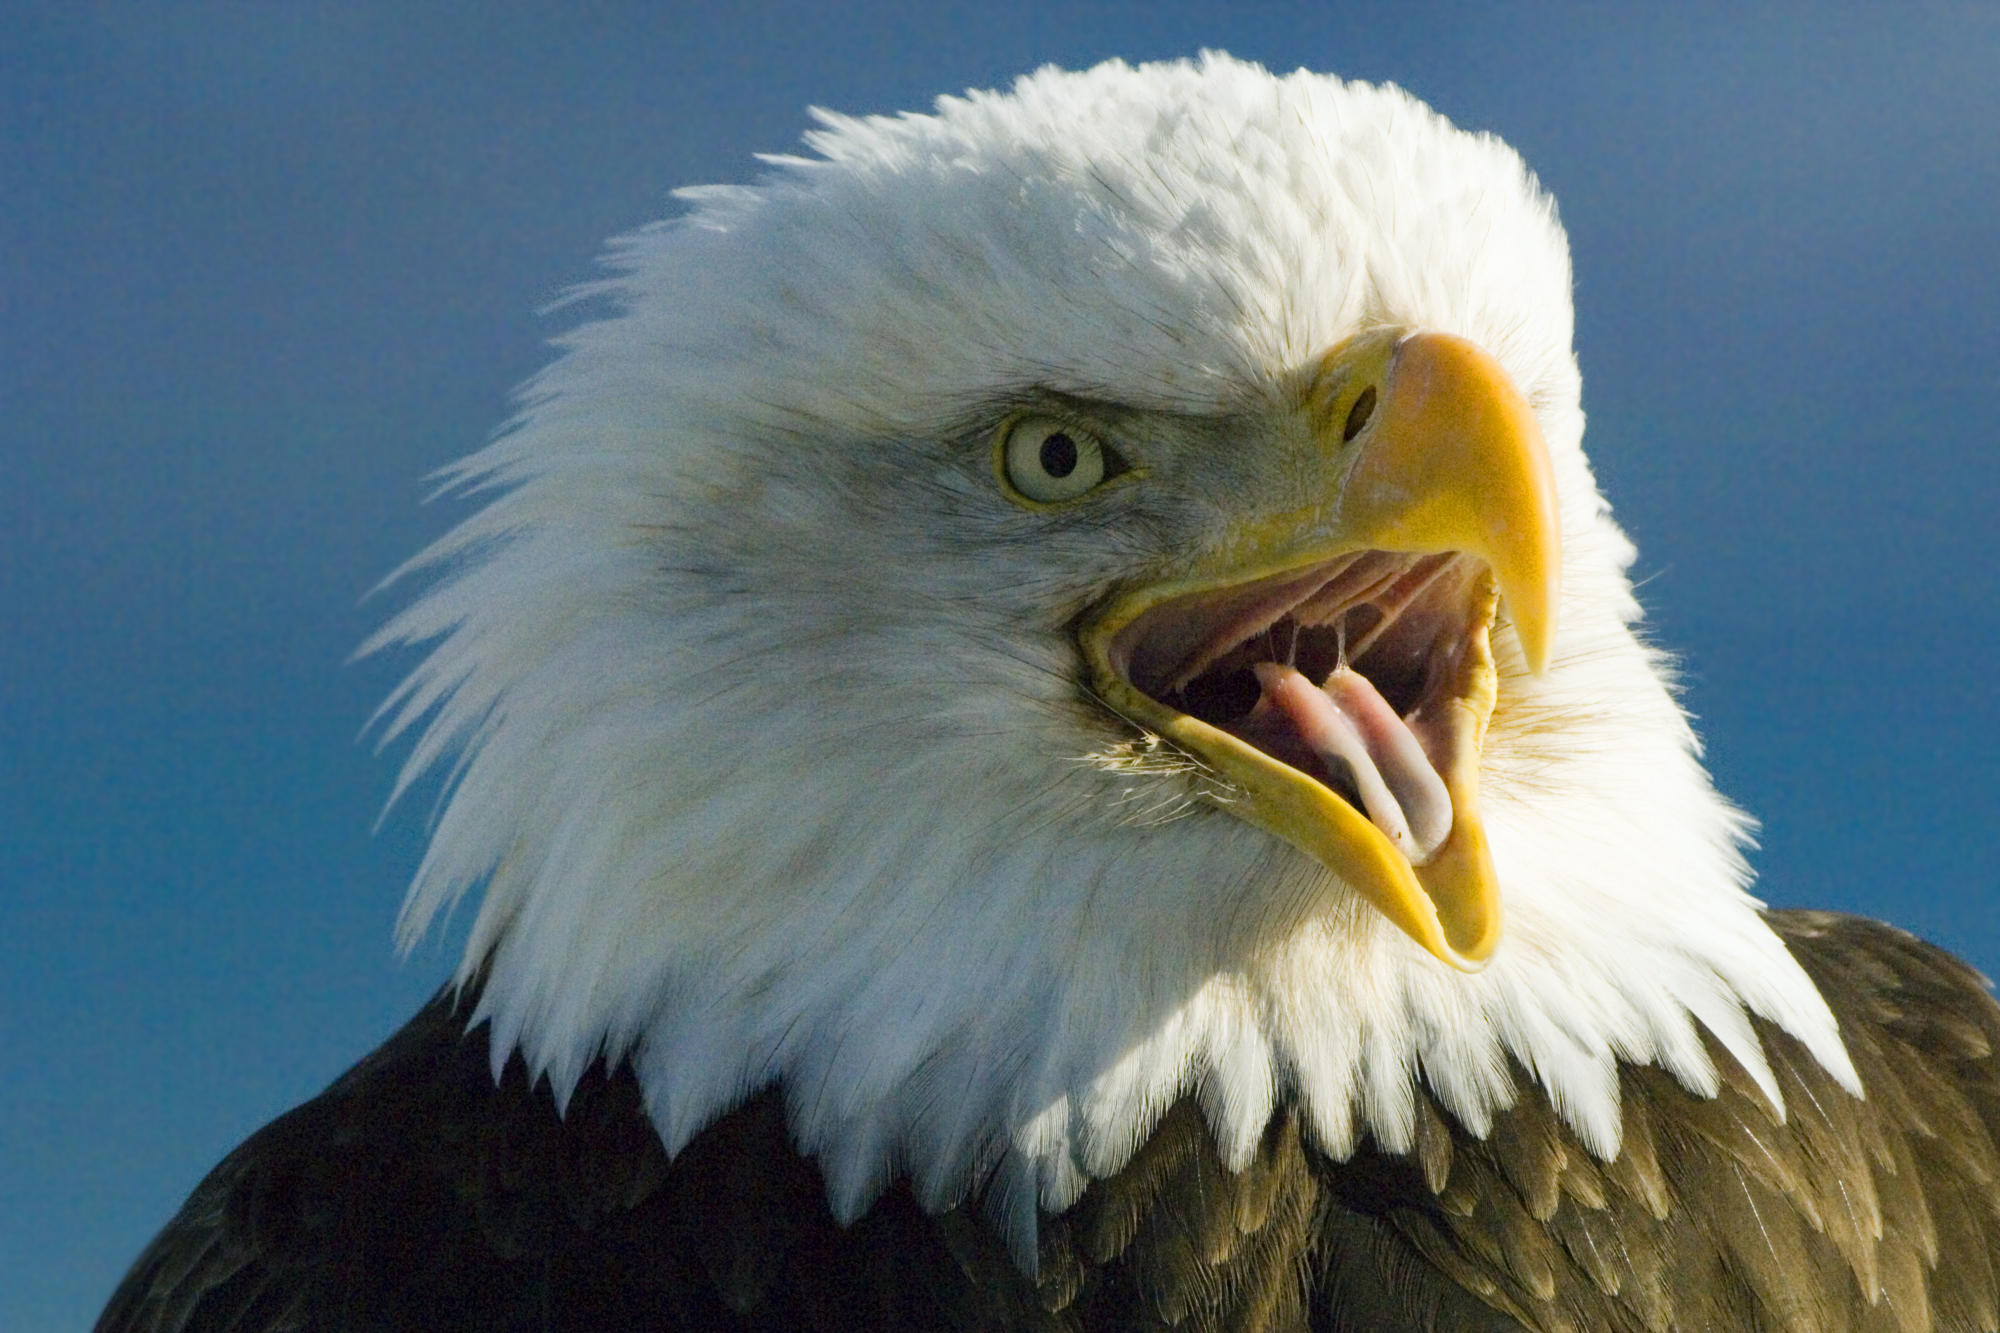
<point>1418,444</point>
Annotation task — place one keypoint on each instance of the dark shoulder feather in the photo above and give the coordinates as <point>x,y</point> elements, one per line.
<point>1880,1213</point>
<point>417,1193</point>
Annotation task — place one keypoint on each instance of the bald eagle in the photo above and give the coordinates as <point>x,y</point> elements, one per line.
<point>1051,732</point>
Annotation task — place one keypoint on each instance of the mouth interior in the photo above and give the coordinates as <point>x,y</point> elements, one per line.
<point>1341,671</point>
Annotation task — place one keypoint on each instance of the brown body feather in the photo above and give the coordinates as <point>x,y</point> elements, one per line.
<point>415,1194</point>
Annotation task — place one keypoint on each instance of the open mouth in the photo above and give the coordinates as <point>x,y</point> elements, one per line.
<point>1327,659</point>
<point>1352,671</point>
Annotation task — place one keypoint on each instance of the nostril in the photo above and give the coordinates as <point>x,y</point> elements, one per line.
<point>1357,415</point>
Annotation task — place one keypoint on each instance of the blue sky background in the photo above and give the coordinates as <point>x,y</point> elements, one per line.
<point>263,267</point>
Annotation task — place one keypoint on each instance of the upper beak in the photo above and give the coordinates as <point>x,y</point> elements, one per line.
<point>1449,460</point>
<point>1457,462</point>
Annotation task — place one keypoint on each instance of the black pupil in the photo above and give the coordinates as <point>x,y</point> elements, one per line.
<point>1058,455</point>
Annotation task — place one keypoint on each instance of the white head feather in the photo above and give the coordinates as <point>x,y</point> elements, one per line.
<point>770,751</point>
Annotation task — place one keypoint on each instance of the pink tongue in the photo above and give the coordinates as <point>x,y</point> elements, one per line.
<point>1351,727</point>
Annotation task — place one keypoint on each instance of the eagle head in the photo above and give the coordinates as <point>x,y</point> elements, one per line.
<point>1085,597</point>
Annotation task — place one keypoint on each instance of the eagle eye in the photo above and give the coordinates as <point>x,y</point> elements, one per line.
<point>1045,461</point>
